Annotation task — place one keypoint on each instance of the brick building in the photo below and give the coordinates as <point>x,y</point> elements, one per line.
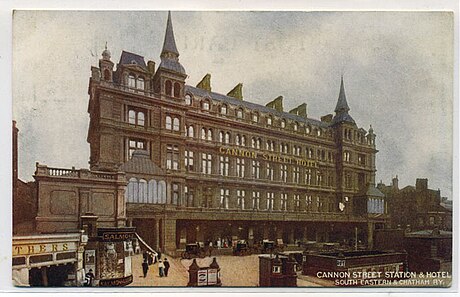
<point>416,208</point>
<point>204,166</point>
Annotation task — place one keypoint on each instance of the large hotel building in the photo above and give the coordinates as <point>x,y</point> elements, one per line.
<point>203,166</point>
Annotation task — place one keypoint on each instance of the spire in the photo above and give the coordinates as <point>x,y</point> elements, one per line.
<point>169,45</point>
<point>341,109</point>
<point>342,105</point>
<point>170,55</point>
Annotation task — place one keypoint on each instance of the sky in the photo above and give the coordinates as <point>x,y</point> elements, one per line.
<point>397,69</point>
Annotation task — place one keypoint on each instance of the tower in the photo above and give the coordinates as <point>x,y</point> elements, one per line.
<point>106,65</point>
<point>169,79</point>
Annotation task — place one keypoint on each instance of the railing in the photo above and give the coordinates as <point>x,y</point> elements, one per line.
<point>127,89</point>
<point>62,172</point>
<point>43,170</point>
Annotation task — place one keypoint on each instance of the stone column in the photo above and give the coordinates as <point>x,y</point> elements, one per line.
<point>370,235</point>
<point>156,234</point>
<point>169,236</point>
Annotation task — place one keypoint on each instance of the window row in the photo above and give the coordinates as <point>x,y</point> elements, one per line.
<point>255,117</point>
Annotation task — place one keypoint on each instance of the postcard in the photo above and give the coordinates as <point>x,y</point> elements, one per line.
<point>302,149</point>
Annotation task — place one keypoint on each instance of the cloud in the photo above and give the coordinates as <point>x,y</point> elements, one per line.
<point>397,66</point>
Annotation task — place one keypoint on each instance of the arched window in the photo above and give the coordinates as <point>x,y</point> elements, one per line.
<point>168,88</point>
<point>168,123</point>
<point>132,117</point>
<point>162,192</point>
<point>269,120</point>
<point>295,126</point>
<point>106,74</point>
<point>283,124</point>
<point>131,81</point>
<point>140,119</point>
<point>203,133</point>
<point>176,90</point>
<point>239,113</point>
<point>227,137</point>
<point>142,191</point>
<point>190,132</point>
<point>188,99</point>
<point>243,140</point>
<point>210,135</point>
<point>221,136</point>
<point>140,83</point>
<point>152,194</point>
<point>176,124</point>
<point>308,129</point>
<point>132,190</point>
<point>237,139</point>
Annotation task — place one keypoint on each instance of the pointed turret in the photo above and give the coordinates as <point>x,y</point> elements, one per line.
<point>169,44</point>
<point>169,54</point>
<point>169,78</point>
<point>342,105</point>
<point>341,109</point>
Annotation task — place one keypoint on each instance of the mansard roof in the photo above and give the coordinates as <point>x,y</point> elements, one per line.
<point>128,58</point>
<point>252,106</point>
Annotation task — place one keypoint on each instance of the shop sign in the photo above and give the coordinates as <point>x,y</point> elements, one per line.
<point>39,248</point>
<point>202,277</point>
<point>116,282</point>
<point>116,236</point>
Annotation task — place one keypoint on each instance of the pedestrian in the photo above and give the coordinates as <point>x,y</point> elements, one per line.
<point>166,264</point>
<point>145,267</point>
<point>150,258</point>
<point>161,268</point>
<point>89,278</point>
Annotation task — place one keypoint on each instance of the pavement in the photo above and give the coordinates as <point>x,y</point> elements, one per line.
<point>235,272</point>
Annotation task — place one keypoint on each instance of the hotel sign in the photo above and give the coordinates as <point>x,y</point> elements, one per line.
<point>273,157</point>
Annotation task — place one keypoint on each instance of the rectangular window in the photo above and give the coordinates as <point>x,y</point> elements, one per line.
<point>172,157</point>
<point>223,165</point>
<point>283,172</point>
<point>255,169</point>
<point>240,167</point>
<point>270,200</point>
<point>284,198</point>
<point>308,176</point>
<point>188,194</point>
<point>175,194</point>
<point>269,173</point>
<point>296,174</point>
<point>189,163</point>
<point>240,195</point>
<point>206,163</point>
<point>224,197</point>
<point>296,202</point>
<point>255,199</point>
<point>308,203</point>
<point>135,144</point>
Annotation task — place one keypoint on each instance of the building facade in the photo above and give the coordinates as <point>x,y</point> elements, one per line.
<point>204,166</point>
<point>416,208</point>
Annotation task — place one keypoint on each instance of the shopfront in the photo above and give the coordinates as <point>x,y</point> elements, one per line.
<point>48,260</point>
<point>109,254</point>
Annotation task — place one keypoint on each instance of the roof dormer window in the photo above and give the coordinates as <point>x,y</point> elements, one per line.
<point>239,113</point>
<point>188,99</point>
<point>223,109</point>
<point>283,123</point>
<point>205,105</point>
